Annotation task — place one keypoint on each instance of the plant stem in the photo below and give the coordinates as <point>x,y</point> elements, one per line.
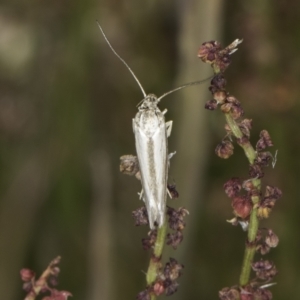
<point>155,261</point>
<point>254,222</point>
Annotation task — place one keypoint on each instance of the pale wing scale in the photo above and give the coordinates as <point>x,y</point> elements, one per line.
<point>151,146</point>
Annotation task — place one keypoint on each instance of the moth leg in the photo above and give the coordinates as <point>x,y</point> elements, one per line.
<point>164,111</point>
<point>170,155</point>
<point>169,193</point>
<point>169,126</point>
<point>141,194</point>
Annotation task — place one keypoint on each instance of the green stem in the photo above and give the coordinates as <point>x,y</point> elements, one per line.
<point>254,222</point>
<point>155,263</point>
<point>250,249</point>
<point>249,151</point>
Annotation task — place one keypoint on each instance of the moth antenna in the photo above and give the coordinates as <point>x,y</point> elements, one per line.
<point>183,86</point>
<point>121,59</point>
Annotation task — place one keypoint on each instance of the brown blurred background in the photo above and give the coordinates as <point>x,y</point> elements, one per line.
<point>66,107</point>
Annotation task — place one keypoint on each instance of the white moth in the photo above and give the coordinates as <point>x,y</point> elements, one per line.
<point>151,133</point>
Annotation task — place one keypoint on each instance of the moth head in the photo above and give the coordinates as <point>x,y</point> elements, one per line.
<point>149,102</point>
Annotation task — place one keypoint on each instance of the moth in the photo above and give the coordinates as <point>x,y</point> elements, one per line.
<point>151,133</point>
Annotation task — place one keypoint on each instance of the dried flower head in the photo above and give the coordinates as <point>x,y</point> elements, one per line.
<point>173,269</point>
<point>129,165</point>
<point>224,149</point>
<point>159,288</point>
<point>171,287</point>
<point>272,194</point>
<point>172,190</point>
<point>211,52</point>
<point>264,269</point>
<point>263,248</point>
<point>245,125</point>
<point>149,242</point>
<point>255,171</point>
<point>264,141</point>
<point>272,239</point>
<point>232,187</point>
<point>263,212</point>
<point>229,294</point>
<point>58,295</point>
<point>263,158</point>
<point>220,96</point>
<point>140,216</point>
<point>176,217</point>
<point>144,295</point>
<point>174,239</point>
<point>208,51</point>
<point>218,84</point>
<point>27,275</point>
<point>211,104</point>
<point>242,206</point>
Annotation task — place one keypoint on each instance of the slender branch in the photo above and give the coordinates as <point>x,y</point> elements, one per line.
<point>254,222</point>
<point>155,263</point>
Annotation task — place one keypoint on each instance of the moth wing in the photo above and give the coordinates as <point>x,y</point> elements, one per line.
<point>152,156</point>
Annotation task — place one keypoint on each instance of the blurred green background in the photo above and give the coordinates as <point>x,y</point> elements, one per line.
<point>66,109</point>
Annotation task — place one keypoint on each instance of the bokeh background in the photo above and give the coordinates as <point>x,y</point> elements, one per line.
<point>66,106</point>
